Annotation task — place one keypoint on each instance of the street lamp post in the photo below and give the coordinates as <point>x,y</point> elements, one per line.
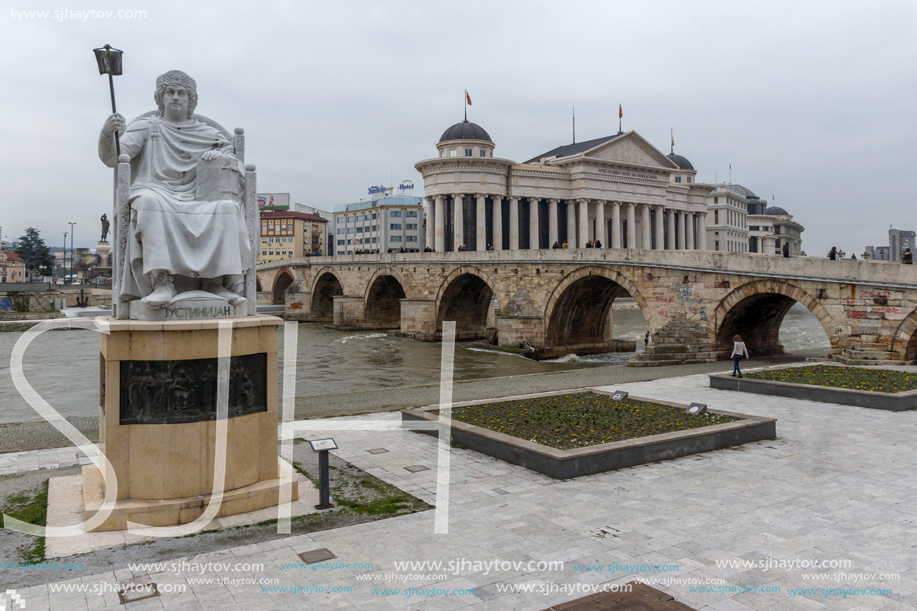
<point>63,267</point>
<point>71,251</point>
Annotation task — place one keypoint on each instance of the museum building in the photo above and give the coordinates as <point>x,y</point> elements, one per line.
<point>618,191</point>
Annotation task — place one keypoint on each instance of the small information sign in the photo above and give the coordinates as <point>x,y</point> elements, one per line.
<point>323,444</point>
<point>619,395</point>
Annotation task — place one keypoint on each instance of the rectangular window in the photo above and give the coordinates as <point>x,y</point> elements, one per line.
<point>452,153</point>
<point>264,252</point>
<point>716,217</point>
<point>678,179</point>
<point>351,230</point>
<point>411,238</point>
<point>467,152</point>
<point>395,213</point>
<point>689,179</point>
<point>394,226</point>
<point>374,216</point>
<point>483,153</point>
<point>396,238</point>
<point>411,213</point>
<point>411,226</point>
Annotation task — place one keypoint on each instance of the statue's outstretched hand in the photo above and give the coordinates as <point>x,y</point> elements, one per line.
<point>112,124</point>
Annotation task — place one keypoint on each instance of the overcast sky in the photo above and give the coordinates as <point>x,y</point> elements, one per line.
<point>811,102</point>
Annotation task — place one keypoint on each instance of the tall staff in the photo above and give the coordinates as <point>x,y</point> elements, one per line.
<point>109,60</point>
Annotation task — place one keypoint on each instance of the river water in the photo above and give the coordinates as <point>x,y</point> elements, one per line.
<point>63,366</point>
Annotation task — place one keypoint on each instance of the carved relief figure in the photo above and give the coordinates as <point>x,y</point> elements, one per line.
<point>174,238</point>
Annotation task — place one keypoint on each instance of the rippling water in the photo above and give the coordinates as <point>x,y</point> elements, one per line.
<point>63,366</point>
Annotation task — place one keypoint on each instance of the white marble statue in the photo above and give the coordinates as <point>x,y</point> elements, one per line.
<point>180,234</point>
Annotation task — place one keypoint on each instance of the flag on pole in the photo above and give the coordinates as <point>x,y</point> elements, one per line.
<point>620,111</point>
<point>467,98</point>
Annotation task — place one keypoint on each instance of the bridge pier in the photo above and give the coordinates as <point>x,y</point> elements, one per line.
<point>418,319</point>
<point>348,313</point>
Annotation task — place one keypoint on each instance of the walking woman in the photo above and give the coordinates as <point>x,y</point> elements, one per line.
<point>739,352</point>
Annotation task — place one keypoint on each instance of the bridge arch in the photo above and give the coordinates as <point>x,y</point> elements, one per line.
<point>756,310</point>
<point>258,284</point>
<point>324,288</point>
<point>465,296</point>
<point>382,299</point>
<point>578,311</point>
<point>282,282</point>
<point>905,339</point>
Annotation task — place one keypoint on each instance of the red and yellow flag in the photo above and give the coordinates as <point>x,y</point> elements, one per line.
<point>467,98</point>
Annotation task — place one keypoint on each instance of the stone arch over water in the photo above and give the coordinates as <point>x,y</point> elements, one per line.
<point>324,289</point>
<point>383,300</point>
<point>465,296</point>
<point>579,309</point>
<point>282,282</point>
<point>755,311</point>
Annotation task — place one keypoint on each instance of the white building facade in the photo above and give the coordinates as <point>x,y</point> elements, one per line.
<point>727,219</point>
<point>382,224</point>
<point>616,192</point>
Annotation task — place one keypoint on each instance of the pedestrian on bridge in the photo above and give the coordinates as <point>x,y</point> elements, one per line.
<point>907,257</point>
<point>739,352</point>
<point>832,254</point>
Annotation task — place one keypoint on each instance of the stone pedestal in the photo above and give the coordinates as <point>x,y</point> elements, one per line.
<point>157,420</point>
<point>104,251</point>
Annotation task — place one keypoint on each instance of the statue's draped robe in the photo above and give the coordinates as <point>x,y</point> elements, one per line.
<point>169,230</point>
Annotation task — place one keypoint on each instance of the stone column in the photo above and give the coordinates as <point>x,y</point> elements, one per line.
<point>583,222</point>
<point>431,216</point>
<point>533,223</point>
<point>660,229</point>
<point>680,228</point>
<point>514,223</point>
<point>498,222</point>
<point>571,224</point>
<point>631,225</point>
<point>480,223</point>
<point>600,223</point>
<point>616,224</point>
<point>671,214</point>
<point>702,231</point>
<point>552,222</point>
<point>458,233</point>
<point>439,235</point>
<point>645,220</point>
<point>689,231</point>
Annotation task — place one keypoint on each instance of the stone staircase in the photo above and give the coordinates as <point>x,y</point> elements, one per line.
<point>870,354</point>
<point>679,341</point>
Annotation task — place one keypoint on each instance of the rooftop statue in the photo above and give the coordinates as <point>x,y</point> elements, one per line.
<point>187,231</point>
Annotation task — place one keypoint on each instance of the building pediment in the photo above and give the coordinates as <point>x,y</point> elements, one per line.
<point>631,149</point>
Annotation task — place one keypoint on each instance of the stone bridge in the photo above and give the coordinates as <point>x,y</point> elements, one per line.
<point>693,302</point>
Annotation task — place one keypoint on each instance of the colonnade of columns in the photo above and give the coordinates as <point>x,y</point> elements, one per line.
<point>661,228</point>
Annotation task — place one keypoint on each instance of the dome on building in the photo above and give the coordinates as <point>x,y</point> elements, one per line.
<point>744,191</point>
<point>776,211</point>
<point>465,130</point>
<point>681,162</point>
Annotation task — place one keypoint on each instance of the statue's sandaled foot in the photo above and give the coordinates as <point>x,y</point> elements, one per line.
<point>216,287</point>
<point>163,290</point>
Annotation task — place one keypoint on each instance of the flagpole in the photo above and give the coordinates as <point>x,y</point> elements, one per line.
<point>466,106</point>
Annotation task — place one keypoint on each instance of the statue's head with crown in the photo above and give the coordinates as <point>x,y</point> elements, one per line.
<point>175,82</point>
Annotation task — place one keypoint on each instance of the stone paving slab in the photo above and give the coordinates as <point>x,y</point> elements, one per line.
<point>837,485</point>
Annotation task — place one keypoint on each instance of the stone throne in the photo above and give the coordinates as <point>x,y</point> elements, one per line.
<point>222,181</point>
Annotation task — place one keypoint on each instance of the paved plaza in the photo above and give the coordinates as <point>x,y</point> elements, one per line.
<point>836,487</point>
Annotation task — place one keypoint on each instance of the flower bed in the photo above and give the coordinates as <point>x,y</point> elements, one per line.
<point>853,378</point>
<point>582,419</point>
<point>873,388</point>
<point>569,435</point>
